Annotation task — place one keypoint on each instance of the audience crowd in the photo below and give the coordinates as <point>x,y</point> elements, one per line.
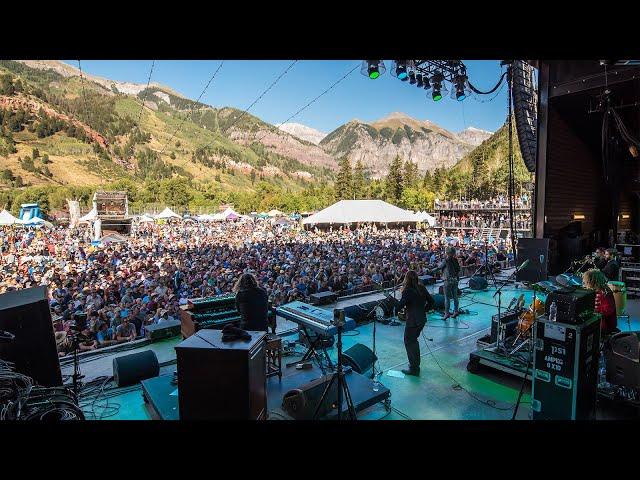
<point>112,292</point>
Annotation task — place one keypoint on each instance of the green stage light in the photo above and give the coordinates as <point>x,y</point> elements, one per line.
<point>437,96</point>
<point>373,74</point>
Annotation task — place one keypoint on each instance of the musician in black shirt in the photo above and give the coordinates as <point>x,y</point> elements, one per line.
<point>599,259</point>
<point>252,303</point>
<point>612,268</point>
<point>417,301</point>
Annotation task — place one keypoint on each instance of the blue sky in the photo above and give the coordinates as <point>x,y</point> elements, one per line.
<point>239,82</point>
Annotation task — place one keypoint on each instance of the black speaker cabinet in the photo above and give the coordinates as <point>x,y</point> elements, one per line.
<point>222,380</point>
<point>478,283</point>
<point>133,368</point>
<point>301,403</point>
<point>536,250</point>
<point>565,370</point>
<point>359,357</point>
<point>26,314</point>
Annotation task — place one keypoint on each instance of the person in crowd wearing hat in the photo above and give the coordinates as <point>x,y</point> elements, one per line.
<point>104,334</point>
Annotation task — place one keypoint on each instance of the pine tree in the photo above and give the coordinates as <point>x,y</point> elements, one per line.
<point>344,181</point>
<point>410,176</point>
<point>359,181</point>
<point>427,180</point>
<point>394,184</point>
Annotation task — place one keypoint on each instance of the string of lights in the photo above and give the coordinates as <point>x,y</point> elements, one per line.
<point>299,111</point>
<point>193,108</point>
<point>146,92</point>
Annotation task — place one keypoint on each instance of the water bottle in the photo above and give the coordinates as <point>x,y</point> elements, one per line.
<point>553,312</point>
<point>376,382</point>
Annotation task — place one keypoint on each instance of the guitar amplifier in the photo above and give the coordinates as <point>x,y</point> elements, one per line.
<point>322,298</point>
<point>573,307</point>
<point>509,319</point>
<point>565,369</point>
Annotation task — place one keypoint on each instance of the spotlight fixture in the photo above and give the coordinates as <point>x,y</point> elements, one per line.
<point>373,68</point>
<point>439,89</point>
<point>577,216</point>
<point>400,70</point>
<point>461,89</point>
<point>419,82</point>
<point>412,77</point>
<point>427,83</point>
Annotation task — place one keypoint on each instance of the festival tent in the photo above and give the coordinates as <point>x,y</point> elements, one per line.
<point>145,218</point>
<point>113,238</point>
<point>231,214</point>
<point>89,217</point>
<point>35,222</point>
<point>426,218</point>
<point>7,219</point>
<point>205,217</point>
<point>275,213</point>
<point>166,214</point>
<point>354,211</point>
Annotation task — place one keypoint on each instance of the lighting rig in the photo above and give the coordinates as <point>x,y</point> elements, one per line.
<point>433,75</point>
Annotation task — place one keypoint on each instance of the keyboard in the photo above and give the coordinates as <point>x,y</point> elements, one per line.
<point>316,319</point>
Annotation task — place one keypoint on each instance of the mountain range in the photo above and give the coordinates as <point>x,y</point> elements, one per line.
<point>130,130</point>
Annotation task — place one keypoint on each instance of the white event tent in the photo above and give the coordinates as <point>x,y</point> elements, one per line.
<point>363,211</point>
<point>166,214</point>
<point>89,217</point>
<point>7,219</point>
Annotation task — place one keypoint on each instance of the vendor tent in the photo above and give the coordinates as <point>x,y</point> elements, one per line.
<point>166,214</point>
<point>7,219</point>
<point>35,222</point>
<point>145,218</point>
<point>426,218</point>
<point>364,211</point>
<point>275,213</point>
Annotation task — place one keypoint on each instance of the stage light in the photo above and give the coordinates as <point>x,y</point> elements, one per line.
<point>439,88</point>
<point>625,215</point>
<point>461,88</point>
<point>419,82</point>
<point>427,83</point>
<point>399,70</point>
<point>373,68</point>
<point>412,78</point>
<point>578,216</point>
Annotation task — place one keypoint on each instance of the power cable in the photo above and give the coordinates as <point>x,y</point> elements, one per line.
<point>145,93</point>
<point>84,96</point>
<point>193,108</point>
<point>244,112</point>
<point>300,110</point>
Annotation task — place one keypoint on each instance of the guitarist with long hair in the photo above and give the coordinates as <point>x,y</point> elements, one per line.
<point>417,301</point>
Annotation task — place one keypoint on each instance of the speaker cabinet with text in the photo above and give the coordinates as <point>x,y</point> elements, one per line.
<point>536,250</point>
<point>222,380</point>
<point>26,315</point>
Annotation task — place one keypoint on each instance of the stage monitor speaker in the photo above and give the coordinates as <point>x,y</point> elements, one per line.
<point>438,299</point>
<point>164,330</point>
<point>536,250</point>
<point>478,283</point>
<point>322,298</point>
<point>25,314</point>
<point>133,368</point>
<point>360,357</point>
<point>301,403</point>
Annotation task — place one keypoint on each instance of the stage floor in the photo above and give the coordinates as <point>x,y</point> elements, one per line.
<point>445,389</point>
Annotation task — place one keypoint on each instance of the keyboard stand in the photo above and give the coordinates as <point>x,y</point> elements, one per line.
<point>311,351</point>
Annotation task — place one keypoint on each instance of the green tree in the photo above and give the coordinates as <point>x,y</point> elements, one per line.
<point>393,184</point>
<point>427,180</point>
<point>359,181</point>
<point>410,174</point>
<point>253,177</point>
<point>35,153</point>
<point>344,180</point>
<point>45,159</point>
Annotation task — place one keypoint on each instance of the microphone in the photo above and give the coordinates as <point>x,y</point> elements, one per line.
<point>524,264</point>
<point>512,303</point>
